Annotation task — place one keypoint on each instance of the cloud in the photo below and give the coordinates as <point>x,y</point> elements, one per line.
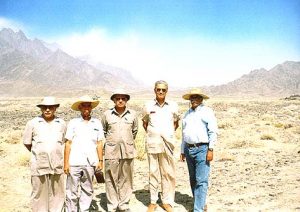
<point>186,61</point>
<point>7,23</point>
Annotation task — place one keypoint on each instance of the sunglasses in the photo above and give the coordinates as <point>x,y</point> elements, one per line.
<point>121,98</point>
<point>50,107</point>
<point>161,90</point>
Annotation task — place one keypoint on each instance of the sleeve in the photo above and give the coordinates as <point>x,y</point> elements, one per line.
<point>70,131</point>
<point>104,124</point>
<point>135,126</point>
<point>100,135</point>
<point>212,127</point>
<point>27,136</point>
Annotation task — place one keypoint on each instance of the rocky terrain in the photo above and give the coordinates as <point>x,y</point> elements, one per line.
<point>256,161</point>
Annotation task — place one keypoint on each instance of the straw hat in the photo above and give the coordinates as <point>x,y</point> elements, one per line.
<point>48,101</point>
<point>194,91</point>
<point>84,99</point>
<point>120,92</point>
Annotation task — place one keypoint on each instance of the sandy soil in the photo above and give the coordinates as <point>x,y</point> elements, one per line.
<point>256,165</point>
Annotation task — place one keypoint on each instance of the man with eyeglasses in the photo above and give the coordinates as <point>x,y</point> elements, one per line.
<point>199,135</point>
<point>120,126</point>
<point>83,154</point>
<point>160,120</point>
<point>44,138</point>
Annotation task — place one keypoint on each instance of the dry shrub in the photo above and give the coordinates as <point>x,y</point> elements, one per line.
<point>224,125</point>
<point>140,144</point>
<point>245,143</point>
<point>225,156</point>
<point>267,137</point>
<point>13,137</point>
<point>278,125</point>
<point>23,159</point>
<point>286,126</point>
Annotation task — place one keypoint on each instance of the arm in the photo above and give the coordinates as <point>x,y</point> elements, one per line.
<point>145,125</point>
<point>135,127</point>
<point>67,156</point>
<point>27,136</point>
<point>100,154</point>
<point>176,124</point>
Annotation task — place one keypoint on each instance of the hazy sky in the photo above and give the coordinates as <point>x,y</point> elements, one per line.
<point>187,43</point>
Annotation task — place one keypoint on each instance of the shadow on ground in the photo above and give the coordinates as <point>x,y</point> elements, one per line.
<point>180,199</point>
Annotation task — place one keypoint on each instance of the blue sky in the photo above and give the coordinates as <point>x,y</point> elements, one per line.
<point>204,42</point>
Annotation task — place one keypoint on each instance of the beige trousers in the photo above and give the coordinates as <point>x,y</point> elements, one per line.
<point>79,199</point>
<point>118,183</point>
<point>162,169</point>
<point>47,193</point>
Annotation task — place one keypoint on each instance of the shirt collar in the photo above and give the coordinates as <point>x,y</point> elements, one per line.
<point>165,103</point>
<point>113,111</point>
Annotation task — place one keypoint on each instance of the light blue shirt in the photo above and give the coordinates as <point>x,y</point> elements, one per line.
<point>199,126</point>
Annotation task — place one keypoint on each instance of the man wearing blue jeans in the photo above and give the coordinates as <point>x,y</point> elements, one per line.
<point>199,134</point>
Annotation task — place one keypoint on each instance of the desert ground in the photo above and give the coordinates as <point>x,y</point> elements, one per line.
<point>256,162</point>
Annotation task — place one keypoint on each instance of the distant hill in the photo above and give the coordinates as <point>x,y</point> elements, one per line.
<point>35,68</point>
<point>282,80</point>
<point>29,68</point>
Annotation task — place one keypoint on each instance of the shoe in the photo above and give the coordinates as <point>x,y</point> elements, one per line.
<point>151,207</point>
<point>167,207</point>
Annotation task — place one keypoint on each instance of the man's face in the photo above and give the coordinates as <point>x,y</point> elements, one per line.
<point>161,91</point>
<point>48,111</point>
<point>196,100</point>
<point>85,109</point>
<point>120,101</point>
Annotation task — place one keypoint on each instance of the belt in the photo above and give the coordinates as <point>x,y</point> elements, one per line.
<point>195,145</point>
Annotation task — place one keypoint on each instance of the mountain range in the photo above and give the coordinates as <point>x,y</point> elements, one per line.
<point>33,68</point>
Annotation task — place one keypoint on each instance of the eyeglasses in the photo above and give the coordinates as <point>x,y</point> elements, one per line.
<point>121,98</point>
<point>50,107</point>
<point>161,90</point>
<point>195,97</point>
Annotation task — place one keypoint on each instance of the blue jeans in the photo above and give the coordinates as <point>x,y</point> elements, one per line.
<point>199,173</point>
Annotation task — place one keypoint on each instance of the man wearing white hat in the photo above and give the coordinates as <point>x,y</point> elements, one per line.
<point>120,127</point>
<point>199,135</point>
<point>83,155</point>
<point>43,137</point>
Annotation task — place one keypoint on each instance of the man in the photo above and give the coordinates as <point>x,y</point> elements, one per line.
<point>199,134</point>
<point>120,126</point>
<point>43,137</point>
<point>83,154</point>
<point>160,121</point>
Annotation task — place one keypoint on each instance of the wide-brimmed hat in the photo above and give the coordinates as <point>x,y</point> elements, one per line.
<point>194,91</point>
<point>48,101</point>
<point>120,92</point>
<point>82,99</point>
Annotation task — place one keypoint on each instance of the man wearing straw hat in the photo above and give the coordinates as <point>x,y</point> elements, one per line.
<point>120,126</point>
<point>160,121</point>
<point>83,154</point>
<point>43,137</point>
<point>199,135</point>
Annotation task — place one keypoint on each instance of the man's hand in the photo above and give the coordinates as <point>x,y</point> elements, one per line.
<point>67,169</point>
<point>182,157</point>
<point>209,155</point>
<point>99,165</point>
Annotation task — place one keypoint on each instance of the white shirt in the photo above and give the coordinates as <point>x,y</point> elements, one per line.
<point>84,136</point>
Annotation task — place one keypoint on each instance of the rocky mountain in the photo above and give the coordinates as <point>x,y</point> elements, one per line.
<point>282,80</point>
<point>35,68</point>
<point>29,68</point>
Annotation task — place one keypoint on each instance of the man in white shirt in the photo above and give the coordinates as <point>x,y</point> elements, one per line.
<point>160,120</point>
<point>83,155</point>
